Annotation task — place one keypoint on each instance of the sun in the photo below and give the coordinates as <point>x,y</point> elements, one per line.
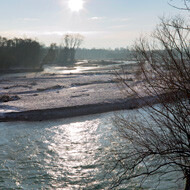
<point>76,5</point>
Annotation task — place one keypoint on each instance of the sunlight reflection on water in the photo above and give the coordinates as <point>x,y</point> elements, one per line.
<point>55,154</point>
<point>62,154</point>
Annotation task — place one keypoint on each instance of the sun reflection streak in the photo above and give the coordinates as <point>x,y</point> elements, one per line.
<point>74,146</point>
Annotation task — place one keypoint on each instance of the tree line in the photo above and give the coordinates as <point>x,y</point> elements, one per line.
<point>19,53</point>
<point>29,54</point>
<point>101,54</point>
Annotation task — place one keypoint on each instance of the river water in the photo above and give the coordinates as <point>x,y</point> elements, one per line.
<point>62,154</point>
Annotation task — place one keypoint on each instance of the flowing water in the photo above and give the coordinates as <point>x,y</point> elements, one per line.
<point>62,154</point>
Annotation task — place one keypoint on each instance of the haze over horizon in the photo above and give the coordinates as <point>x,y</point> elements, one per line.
<point>103,23</point>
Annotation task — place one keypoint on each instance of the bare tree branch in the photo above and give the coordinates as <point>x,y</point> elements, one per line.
<point>164,69</point>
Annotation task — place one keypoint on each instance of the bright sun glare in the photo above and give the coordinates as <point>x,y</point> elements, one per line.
<point>76,5</point>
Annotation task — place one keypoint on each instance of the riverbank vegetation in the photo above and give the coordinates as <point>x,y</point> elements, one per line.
<point>28,54</point>
<point>21,53</point>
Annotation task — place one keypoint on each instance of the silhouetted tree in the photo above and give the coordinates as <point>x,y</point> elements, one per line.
<point>68,48</point>
<point>162,145</point>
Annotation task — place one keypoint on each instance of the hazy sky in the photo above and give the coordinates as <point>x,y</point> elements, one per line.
<point>104,23</point>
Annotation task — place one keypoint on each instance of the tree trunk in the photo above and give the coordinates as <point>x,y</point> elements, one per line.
<point>187,183</point>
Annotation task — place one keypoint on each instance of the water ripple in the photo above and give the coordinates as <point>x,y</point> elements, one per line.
<point>63,154</point>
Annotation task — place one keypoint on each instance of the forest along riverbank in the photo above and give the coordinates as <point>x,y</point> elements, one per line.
<point>61,92</point>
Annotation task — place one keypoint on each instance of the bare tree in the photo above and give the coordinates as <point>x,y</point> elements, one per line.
<point>73,40</point>
<point>71,43</point>
<point>161,145</point>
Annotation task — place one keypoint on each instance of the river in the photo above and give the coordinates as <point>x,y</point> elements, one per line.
<point>63,154</point>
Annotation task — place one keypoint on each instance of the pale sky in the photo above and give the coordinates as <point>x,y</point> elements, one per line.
<point>103,23</point>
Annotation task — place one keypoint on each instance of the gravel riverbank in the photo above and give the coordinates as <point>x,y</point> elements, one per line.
<point>59,93</point>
